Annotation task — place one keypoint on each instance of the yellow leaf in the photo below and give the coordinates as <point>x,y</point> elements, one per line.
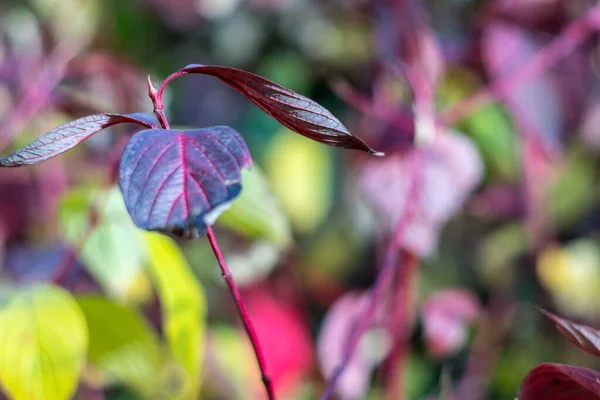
<point>43,344</point>
<point>184,309</point>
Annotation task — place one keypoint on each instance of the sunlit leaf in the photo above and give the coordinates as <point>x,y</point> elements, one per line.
<point>294,111</point>
<point>560,382</point>
<point>183,307</point>
<point>69,135</point>
<point>115,251</point>
<point>179,182</point>
<point>122,345</point>
<point>43,344</point>
<point>256,213</point>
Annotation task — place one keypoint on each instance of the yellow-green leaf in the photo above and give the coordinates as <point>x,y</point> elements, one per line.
<point>43,344</point>
<point>122,345</point>
<point>115,251</point>
<point>184,310</point>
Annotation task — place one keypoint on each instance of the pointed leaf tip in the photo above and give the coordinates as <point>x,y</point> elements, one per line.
<point>294,111</point>
<point>584,337</point>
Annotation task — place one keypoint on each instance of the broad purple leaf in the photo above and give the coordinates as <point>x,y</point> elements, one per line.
<point>292,110</point>
<point>445,316</point>
<point>584,337</point>
<point>560,382</point>
<point>67,136</point>
<point>180,181</point>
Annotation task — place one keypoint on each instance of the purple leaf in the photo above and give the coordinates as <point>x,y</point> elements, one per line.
<point>560,382</point>
<point>584,337</point>
<point>67,136</point>
<point>292,110</point>
<point>334,337</point>
<point>180,181</point>
<point>430,183</point>
<point>445,315</point>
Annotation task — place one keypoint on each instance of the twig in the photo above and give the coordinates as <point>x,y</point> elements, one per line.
<point>402,324</point>
<point>547,57</point>
<point>241,306</point>
<point>383,279</point>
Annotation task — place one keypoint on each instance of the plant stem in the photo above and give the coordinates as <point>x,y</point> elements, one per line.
<point>402,325</point>
<point>241,306</point>
<point>383,278</point>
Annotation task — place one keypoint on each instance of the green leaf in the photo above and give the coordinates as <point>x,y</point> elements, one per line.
<point>184,311</point>
<point>43,343</point>
<point>115,251</point>
<point>256,214</point>
<point>122,345</point>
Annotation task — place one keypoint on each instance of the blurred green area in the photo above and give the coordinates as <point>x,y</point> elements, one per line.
<point>157,322</point>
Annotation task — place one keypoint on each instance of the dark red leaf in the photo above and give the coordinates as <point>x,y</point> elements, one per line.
<point>584,337</point>
<point>67,136</point>
<point>180,181</point>
<point>292,110</point>
<point>560,382</point>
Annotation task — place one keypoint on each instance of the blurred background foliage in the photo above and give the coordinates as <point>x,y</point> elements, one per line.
<point>505,215</point>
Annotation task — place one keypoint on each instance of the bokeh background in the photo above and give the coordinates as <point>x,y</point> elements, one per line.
<point>490,203</point>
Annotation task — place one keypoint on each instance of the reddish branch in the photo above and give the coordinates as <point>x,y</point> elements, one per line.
<point>390,265</point>
<point>156,97</point>
<point>559,48</point>
<point>241,306</point>
<point>402,324</point>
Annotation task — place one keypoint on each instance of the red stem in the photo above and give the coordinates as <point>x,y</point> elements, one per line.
<point>550,55</point>
<point>402,325</point>
<point>243,314</point>
<point>383,279</point>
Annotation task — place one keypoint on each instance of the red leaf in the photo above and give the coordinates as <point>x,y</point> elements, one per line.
<point>584,337</point>
<point>560,382</point>
<point>292,110</point>
<point>69,135</point>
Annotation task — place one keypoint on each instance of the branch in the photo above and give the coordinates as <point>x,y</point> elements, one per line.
<point>241,306</point>
<point>383,279</point>
<point>546,58</point>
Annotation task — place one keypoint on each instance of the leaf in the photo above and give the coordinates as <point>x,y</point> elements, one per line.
<point>445,315</point>
<point>43,343</point>
<point>183,307</point>
<point>180,181</point>
<point>560,382</point>
<point>122,345</point>
<point>584,337</point>
<point>333,341</point>
<point>438,178</point>
<point>69,135</point>
<point>114,252</point>
<point>256,213</point>
<point>292,110</point>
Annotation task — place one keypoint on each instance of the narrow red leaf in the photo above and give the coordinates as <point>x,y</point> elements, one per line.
<point>560,382</point>
<point>292,110</point>
<point>584,337</point>
<point>69,135</point>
